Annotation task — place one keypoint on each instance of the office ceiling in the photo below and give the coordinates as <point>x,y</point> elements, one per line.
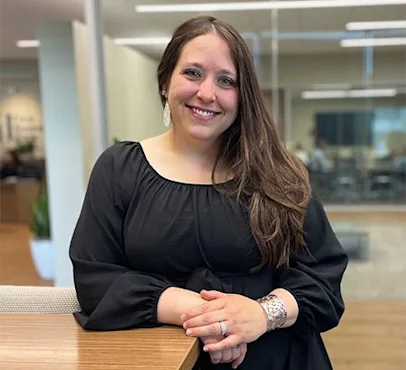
<point>18,20</point>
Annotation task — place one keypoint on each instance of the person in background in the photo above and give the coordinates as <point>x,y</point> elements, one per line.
<point>320,161</point>
<point>301,154</point>
<point>399,159</point>
<point>211,226</point>
<point>9,164</point>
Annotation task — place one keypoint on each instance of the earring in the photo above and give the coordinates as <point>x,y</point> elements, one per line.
<point>167,115</point>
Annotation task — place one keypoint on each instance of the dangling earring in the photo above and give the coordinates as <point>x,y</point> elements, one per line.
<point>167,115</point>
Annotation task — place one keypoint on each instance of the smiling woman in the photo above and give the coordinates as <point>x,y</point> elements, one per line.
<point>211,226</point>
<point>202,92</point>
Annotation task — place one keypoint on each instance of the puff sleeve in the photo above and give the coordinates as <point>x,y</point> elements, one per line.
<point>111,295</point>
<point>315,274</point>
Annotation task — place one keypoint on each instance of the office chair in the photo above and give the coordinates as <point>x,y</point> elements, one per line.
<point>35,299</point>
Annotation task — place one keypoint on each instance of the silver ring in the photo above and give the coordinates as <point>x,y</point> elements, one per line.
<point>223,327</point>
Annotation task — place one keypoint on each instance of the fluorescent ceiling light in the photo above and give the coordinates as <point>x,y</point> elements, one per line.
<point>142,41</point>
<point>372,93</point>
<point>27,43</point>
<point>379,25</point>
<point>384,41</point>
<point>262,5</point>
<point>337,94</point>
<point>332,94</point>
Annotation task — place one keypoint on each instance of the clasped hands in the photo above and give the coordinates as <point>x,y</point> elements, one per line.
<point>244,319</point>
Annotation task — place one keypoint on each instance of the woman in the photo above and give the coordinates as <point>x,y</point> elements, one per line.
<point>211,226</point>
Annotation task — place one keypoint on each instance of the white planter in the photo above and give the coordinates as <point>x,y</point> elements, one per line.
<point>43,256</point>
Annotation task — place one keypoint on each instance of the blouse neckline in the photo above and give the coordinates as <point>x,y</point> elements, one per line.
<point>156,173</point>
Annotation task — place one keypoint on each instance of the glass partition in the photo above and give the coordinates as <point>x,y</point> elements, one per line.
<point>340,108</point>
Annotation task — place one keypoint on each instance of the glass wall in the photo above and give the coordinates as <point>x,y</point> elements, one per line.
<point>345,106</point>
<point>341,109</point>
<point>344,116</point>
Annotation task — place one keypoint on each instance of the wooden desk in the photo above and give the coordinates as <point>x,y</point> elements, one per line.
<point>50,342</point>
<point>16,199</point>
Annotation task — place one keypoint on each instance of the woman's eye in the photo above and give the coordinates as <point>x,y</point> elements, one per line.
<point>226,81</point>
<point>192,73</point>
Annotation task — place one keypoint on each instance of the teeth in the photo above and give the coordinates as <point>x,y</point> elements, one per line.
<point>202,112</point>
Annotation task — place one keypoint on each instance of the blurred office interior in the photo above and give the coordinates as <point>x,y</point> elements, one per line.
<point>77,75</point>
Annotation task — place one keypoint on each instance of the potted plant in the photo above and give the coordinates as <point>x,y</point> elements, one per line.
<point>26,148</point>
<point>40,242</point>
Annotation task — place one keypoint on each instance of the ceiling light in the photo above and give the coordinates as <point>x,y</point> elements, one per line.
<point>372,93</point>
<point>337,94</point>
<point>379,25</point>
<point>262,5</point>
<point>27,43</point>
<point>332,94</point>
<point>143,41</point>
<point>385,41</point>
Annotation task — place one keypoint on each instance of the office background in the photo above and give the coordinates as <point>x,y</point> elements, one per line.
<point>77,75</point>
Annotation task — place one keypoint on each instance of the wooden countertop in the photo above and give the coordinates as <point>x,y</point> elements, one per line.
<point>50,342</point>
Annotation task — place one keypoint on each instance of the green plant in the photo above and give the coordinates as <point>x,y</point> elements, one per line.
<point>25,147</point>
<point>40,227</point>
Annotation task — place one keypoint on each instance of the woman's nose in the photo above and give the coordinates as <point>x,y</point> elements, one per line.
<point>207,91</point>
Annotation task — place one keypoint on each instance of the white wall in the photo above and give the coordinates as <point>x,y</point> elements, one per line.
<point>84,97</point>
<point>64,159</point>
<point>133,106</point>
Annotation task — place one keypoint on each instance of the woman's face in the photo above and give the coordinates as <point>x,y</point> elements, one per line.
<point>203,94</point>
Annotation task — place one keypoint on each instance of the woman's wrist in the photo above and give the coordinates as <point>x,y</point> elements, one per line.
<point>174,302</point>
<point>275,311</point>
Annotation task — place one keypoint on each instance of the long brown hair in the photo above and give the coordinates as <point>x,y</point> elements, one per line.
<point>265,174</point>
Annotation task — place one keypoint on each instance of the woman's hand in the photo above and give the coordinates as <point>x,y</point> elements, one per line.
<point>244,318</point>
<point>235,355</point>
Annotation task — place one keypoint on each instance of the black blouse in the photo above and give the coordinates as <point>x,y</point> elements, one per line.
<point>139,233</point>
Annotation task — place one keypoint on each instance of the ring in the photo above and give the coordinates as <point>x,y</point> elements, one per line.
<point>223,327</point>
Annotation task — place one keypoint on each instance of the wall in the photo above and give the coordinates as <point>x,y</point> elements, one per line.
<point>20,105</point>
<point>20,121</point>
<point>307,70</point>
<point>83,92</point>
<point>133,106</point>
<point>15,71</point>
<point>64,158</point>
<point>303,114</point>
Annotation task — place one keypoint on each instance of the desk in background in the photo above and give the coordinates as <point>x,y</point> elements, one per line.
<point>50,342</point>
<point>16,198</point>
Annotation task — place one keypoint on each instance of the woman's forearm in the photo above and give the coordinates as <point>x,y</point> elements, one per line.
<point>174,302</point>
